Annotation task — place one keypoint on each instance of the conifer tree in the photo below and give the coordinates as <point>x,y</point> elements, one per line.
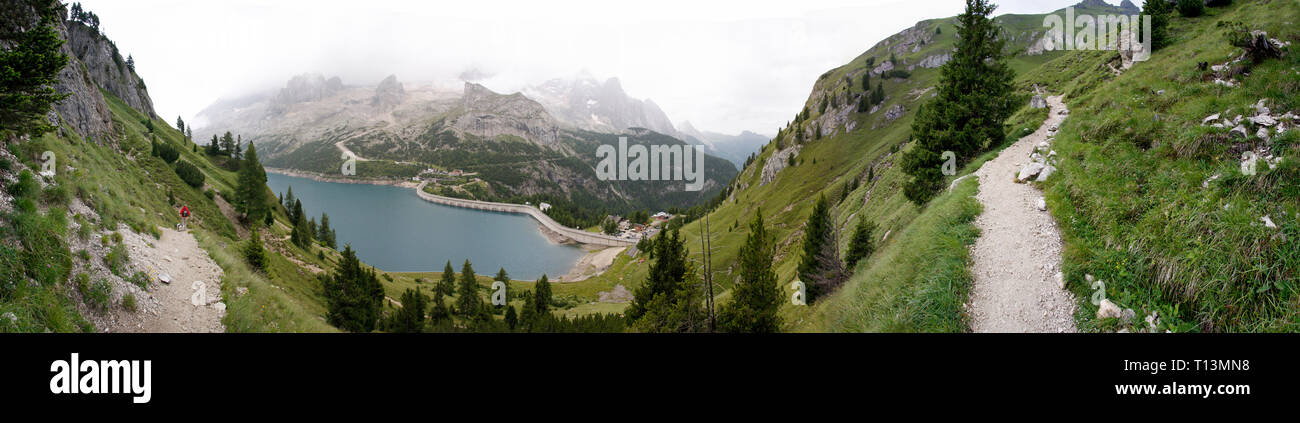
<point>353,294</point>
<point>29,67</point>
<point>862,244</point>
<point>542,296</point>
<point>820,269</point>
<point>409,318</point>
<point>973,100</point>
<point>756,297</point>
<point>251,190</point>
<point>511,318</point>
<point>668,269</point>
<point>447,285</point>
<point>254,253</point>
<point>1159,10</point>
<point>468,303</point>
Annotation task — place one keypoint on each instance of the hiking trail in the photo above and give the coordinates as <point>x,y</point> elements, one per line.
<point>1017,258</point>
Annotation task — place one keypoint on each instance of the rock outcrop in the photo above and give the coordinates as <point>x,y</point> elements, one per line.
<point>389,93</point>
<point>490,115</point>
<point>93,63</point>
<point>307,88</point>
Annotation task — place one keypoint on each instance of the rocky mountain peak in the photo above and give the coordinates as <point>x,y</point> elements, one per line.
<point>308,87</point>
<point>389,93</point>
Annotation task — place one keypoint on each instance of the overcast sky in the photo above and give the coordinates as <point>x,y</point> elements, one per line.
<point>725,66</point>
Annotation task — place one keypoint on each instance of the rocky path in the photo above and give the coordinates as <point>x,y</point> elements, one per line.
<point>190,303</point>
<point>1017,259</point>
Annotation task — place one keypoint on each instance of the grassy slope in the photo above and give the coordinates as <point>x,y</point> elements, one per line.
<point>824,166</point>
<point>1130,197</point>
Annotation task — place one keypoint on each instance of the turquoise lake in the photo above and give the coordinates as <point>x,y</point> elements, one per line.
<point>393,229</point>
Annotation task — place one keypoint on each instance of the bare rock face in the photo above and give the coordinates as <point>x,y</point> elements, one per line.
<point>589,104</point>
<point>308,88</point>
<point>93,63</point>
<point>935,61</point>
<point>895,112</point>
<point>389,93</point>
<point>777,162</point>
<point>489,115</point>
<point>106,66</point>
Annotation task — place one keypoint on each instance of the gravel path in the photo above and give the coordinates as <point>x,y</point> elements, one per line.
<point>1017,259</point>
<point>190,303</point>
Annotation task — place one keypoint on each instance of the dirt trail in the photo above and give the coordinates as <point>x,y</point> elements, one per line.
<point>190,303</point>
<point>1017,259</point>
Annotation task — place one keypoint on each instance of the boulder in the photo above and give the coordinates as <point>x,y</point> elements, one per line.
<point>1048,170</point>
<point>1042,204</point>
<point>1268,223</point>
<point>1263,120</point>
<point>1029,171</point>
<point>1238,131</point>
<point>1210,118</point>
<point>894,112</point>
<point>1108,309</point>
<point>1037,102</point>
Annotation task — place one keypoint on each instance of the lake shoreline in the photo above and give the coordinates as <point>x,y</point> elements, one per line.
<point>320,177</point>
<point>592,261</point>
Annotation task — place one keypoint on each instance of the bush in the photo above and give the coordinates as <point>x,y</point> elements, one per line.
<point>117,258</point>
<point>1191,8</point>
<point>128,302</point>
<point>190,174</point>
<point>96,295</point>
<point>25,186</point>
<point>168,153</point>
<point>140,279</point>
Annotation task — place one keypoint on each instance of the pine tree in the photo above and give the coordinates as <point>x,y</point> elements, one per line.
<point>438,313</point>
<point>325,234</point>
<point>253,252</point>
<point>409,318</point>
<point>250,193</point>
<point>756,298</point>
<point>214,148</point>
<point>228,144</point>
<point>671,298</point>
<point>468,303</point>
<point>511,319</point>
<point>665,272</point>
<point>973,100</point>
<point>1159,11</point>
<point>353,294</point>
<point>542,296</point>
<point>820,269</point>
<point>180,124</point>
<point>29,67</point>
<point>447,285</point>
<point>862,244</point>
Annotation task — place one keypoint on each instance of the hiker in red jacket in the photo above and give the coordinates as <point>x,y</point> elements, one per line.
<point>185,217</point>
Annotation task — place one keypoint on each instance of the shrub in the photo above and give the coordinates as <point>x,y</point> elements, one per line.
<point>96,295</point>
<point>25,186</point>
<point>1191,8</point>
<point>168,153</point>
<point>190,174</point>
<point>117,258</point>
<point>128,302</point>
<point>140,279</point>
